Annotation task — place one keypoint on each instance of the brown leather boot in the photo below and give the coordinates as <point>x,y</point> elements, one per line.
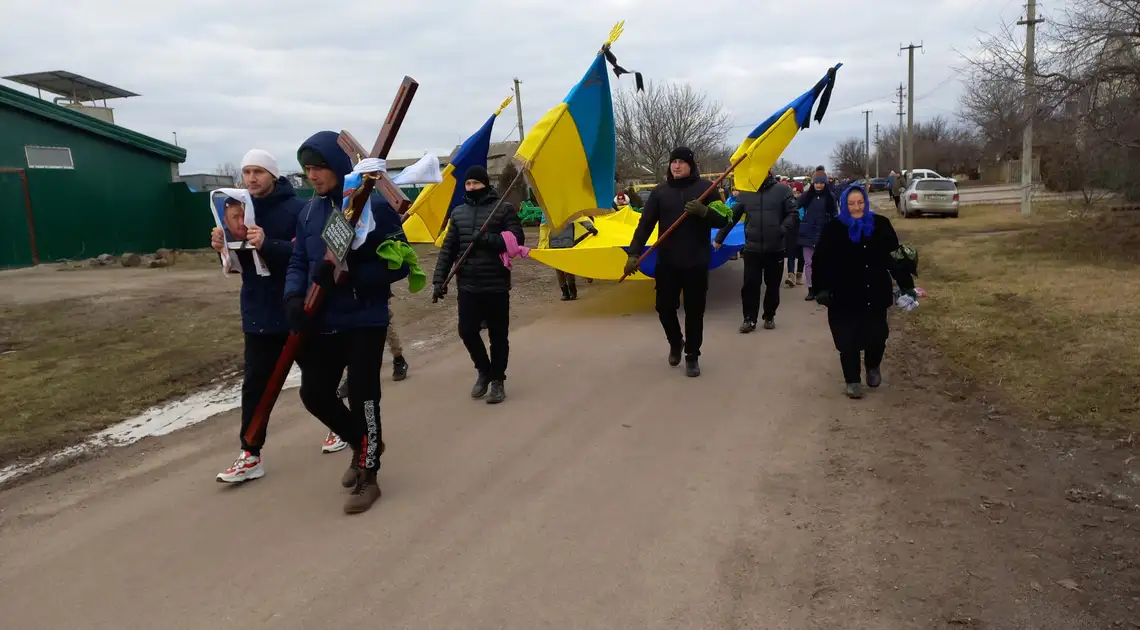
<point>364,494</point>
<point>348,479</point>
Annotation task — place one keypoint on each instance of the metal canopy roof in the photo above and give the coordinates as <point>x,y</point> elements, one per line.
<point>70,85</point>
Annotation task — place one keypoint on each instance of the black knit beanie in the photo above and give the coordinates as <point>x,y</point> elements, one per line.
<point>479,174</point>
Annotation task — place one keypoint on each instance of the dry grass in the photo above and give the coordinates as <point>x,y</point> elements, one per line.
<point>75,366</point>
<point>1042,309</point>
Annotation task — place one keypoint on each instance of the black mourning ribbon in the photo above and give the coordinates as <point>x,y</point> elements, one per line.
<point>618,70</point>
<point>825,86</point>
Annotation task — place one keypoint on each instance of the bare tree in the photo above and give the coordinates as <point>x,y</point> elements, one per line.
<point>650,124</point>
<point>230,170</point>
<point>791,169</point>
<point>848,157</point>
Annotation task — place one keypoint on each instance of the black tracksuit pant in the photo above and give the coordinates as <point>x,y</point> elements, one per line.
<point>495,310</point>
<point>856,331</point>
<point>323,360</point>
<point>693,283</point>
<point>766,269</point>
<point>261,354</point>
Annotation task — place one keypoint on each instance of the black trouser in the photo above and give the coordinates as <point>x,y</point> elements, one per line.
<point>566,281</point>
<point>765,268</point>
<point>693,282</point>
<point>323,359</point>
<point>495,310</point>
<point>796,260</point>
<point>261,354</point>
<point>858,330</point>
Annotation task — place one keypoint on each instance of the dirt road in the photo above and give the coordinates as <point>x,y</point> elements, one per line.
<point>609,491</point>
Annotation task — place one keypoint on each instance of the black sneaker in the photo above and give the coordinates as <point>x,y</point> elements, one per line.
<point>748,326</point>
<point>769,323</point>
<point>566,294</point>
<point>399,368</point>
<point>498,393</point>
<point>675,355</point>
<point>692,368</point>
<point>874,377</point>
<point>479,389</point>
<point>574,293</point>
<point>810,296</point>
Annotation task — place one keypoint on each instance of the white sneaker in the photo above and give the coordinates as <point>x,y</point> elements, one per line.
<point>247,467</point>
<point>333,443</point>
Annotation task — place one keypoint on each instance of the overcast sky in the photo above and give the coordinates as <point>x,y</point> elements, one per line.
<point>227,76</point>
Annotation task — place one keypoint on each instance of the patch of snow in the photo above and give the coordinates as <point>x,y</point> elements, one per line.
<point>155,421</point>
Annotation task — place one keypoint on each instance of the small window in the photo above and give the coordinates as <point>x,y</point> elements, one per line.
<point>49,157</point>
<point>937,184</point>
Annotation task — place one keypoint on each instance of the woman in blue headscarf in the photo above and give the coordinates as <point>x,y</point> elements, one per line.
<point>852,271</point>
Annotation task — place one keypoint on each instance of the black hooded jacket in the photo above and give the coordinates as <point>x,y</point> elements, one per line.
<point>690,244</point>
<point>482,271</point>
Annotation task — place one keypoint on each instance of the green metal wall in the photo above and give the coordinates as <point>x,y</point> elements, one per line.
<point>116,199</point>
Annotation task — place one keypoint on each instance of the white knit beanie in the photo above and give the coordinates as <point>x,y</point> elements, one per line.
<point>261,158</point>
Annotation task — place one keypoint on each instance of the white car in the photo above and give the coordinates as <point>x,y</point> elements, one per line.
<point>925,173</point>
<point>930,196</point>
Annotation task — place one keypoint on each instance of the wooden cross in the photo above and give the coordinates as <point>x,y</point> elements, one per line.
<point>396,198</point>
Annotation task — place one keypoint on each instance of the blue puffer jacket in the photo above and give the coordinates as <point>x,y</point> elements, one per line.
<point>818,209</point>
<point>362,300</point>
<point>262,310</point>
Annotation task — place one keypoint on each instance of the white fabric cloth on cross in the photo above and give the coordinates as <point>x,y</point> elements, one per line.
<point>424,171</point>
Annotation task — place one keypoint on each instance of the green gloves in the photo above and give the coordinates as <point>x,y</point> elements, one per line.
<point>631,265</point>
<point>696,208</point>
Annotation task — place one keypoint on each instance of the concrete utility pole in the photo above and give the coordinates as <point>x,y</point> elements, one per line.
<point>518,108</point>
<point>1030,22</point>
<point>902,161</point>
<point>867,149</point>
<point>878,146</point>
<point>910,106</point>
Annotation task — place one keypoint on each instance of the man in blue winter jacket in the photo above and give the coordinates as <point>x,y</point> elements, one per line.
<point>276,207</point>
<point>349,328</point>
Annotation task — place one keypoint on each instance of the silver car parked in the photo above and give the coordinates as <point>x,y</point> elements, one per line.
<point>930,196</point>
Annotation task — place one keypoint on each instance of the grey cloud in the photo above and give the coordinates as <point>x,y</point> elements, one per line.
<point>229,76</point>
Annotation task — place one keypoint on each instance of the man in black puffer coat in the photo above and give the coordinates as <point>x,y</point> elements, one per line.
<point>683,258</point>
<point>771,216</point>
<point>484,281</point>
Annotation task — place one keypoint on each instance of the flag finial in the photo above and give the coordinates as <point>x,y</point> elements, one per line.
<point>504,105</point>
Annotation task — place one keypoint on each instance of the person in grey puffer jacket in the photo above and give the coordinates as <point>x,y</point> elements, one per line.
<point>484,281</point>
<point>771,215</point>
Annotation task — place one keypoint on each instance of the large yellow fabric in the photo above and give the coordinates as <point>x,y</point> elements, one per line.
<point>763,152</point>
<point>417,231</point>
<point>601,257</point>
<point>561,178</point>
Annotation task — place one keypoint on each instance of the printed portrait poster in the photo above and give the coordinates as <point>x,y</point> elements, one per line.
<point>232,209</point>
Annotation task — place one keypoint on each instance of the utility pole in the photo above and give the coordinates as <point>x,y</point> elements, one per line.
<point>867,149</point>
<point>1030,22</point>
<point>902,162</point>
<point>518,109</point>
<point>878,146</point>
<point>910,106</point>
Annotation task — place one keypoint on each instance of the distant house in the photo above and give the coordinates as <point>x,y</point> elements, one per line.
<point>207,182</point>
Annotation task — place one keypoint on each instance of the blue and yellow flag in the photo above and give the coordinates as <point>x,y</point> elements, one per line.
<point>570,155</point>
<point>428,215</point>
<point>769,139</point>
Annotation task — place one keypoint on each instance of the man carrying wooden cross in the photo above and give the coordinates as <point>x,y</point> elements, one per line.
<point>352,323</point>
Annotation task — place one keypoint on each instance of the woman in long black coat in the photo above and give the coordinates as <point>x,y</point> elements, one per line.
<point>852,271</point>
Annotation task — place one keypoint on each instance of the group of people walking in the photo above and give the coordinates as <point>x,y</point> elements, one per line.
<point>848,252</point>
<point>342,349</point>
<point>851,261</point>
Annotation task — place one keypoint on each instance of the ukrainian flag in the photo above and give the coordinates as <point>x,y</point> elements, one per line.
<point>570,155</point>
<point>769,139</point>
<point>427,220</point>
